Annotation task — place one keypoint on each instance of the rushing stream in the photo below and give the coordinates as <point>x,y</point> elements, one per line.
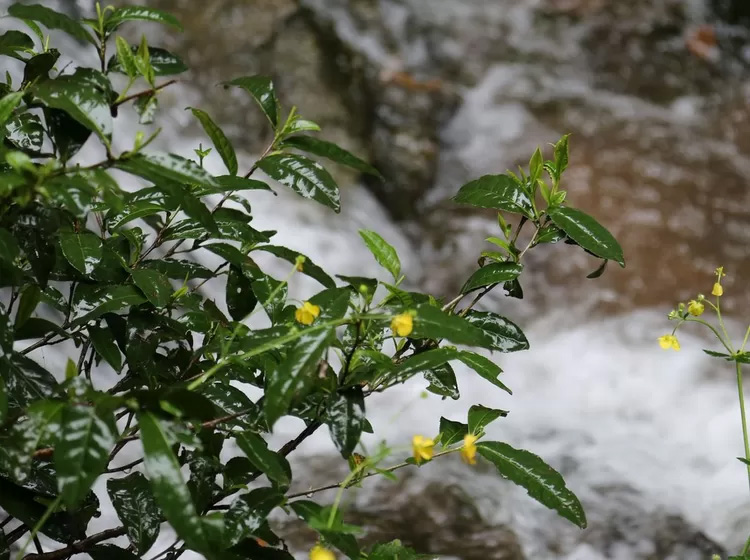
<point>436,92</point>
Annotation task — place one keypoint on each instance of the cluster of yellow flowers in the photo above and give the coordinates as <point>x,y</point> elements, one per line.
<point>307,313</point>
<point>695,307</point>
<point>423,449</point>
<point>401,324</point>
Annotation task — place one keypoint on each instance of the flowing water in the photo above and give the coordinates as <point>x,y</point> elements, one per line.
<point>437,92</point>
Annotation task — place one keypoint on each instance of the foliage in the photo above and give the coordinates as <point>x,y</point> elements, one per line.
<point>112,270</point>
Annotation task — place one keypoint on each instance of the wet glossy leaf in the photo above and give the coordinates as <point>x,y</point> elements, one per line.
<point>485,368</point>
<point>51,19</point>
<point>26,381</point>
<point>451,432</point>
<point>231,183</point>
<point>346,419</point>
<point>383,252</point>
<point>82,250</point>
<point>333,303</point>
<point>550,234</point>
<point>110,552</point>
<point>169,485</point>
<point>91,301</point>
<point>295,374</point>
<point>498,192</point>
<point>561,156</point>
<point>136,507</point>
<point>163,62</point>
<point>431,322</point>
<point>154,285</point>
<point>69,135</point>
<point>126,58</point>
<point>9,249</point>
<point>270,463</point>
<point>82,451</point>
<point>146,107</point>
<point>157,167</point>
<point>304,176</point>
<point>7,105</point>
<point>241,299</point>
<point>330,151</point>
<point>261,89</point>
<point>13,41</point>
<point>506,336</point>
<point>248,512</point>
<point>179,270</point>
<point>588,233</point>
<point>139,13</point>
<point>104,344</point>
<point>25,132</point>
<point>417,363</point>
<point>442,381</point>
<point>228,252</point>
<point>309,268</point>
<point>272,294</point>
<point>219,139</point>
<point>493,273</point>
<point>310,512</point>
<point>81,98</point>
<point>480,416</point>
<point>541,481</point>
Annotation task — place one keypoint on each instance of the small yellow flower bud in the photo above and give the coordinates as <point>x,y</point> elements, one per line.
<point>307,313</point>
<point>669,341</point>
<point>718,290</point>
<point>402,324</point>
<point>319,552</point>
<point>422,448</point>
<point>696,308</point>
<point>469,450</point>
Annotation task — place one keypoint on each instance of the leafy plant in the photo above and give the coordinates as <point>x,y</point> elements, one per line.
<point>113,271</point>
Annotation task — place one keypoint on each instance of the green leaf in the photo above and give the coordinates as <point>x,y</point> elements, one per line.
<point>417,363</point>
<point>451,432</point>
<point>219,139</point>
<point>241,299</point>
<point>485,368</point>
<point>310,512</point>
<point>231,183</point>
<point>493,273</point>
<point>69,135</point>
<point>51,20</point>
<point>384,253</point>
<point>26,381</point>
<point>505,335</point>
<point>3,402</point>
<point>179,270</point>
<point>82,451</point>
<point>169,485</point>
<point>541,481</point>
<point>82,250</point>
<point>270,463</point>
<point>25,132</point>
<point>30,298</point>
<point>91,301</point>
<point>442,381</point>
<point>346,419</point>
<point>13,41</point>
<point>431,322</point>
<point>139,13</point>
<point>158,167</point>
<point>498,192</point>
<point>293,377</point>
<point>588,233</point>
<point>9,249</point>
<point>309,268</point>
<point>81,97</point>
<point>162,63</point>
<point>248,513</point>
<point>304,176</point>
<point>135,506</point>
<point>154,285</point>
<point>261,89</point>
<point>104,344</point>
<point>110,552</point>
<point>550,234</point>
<point>561,156</point>
<point>7,106</point>
<point>480,416</point>
<point>126,58</point>
<point>330,151</point>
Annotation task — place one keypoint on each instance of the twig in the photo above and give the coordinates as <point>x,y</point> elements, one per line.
<point>78,547</point>
<point>144,93</point>
<point>309,430</point>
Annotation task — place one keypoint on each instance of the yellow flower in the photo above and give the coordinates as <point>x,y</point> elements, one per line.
<point>319,552</point>
<point>718,290</point>
<point>307,313</point>
<point>669,341</point>
<point>469,450</point>
<point>696,308</point>
<point>402,324</point>
<point>422,448</point>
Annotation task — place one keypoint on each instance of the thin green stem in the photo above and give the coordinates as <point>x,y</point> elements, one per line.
<point>745,438</point>
<point>39,524</point>
<point>744,341</point>
<point>723,327</point>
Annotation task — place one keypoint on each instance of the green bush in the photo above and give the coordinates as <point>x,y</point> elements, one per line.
<point>115,274</point>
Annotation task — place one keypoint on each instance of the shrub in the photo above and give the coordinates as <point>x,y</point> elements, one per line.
<point>115,274</point>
